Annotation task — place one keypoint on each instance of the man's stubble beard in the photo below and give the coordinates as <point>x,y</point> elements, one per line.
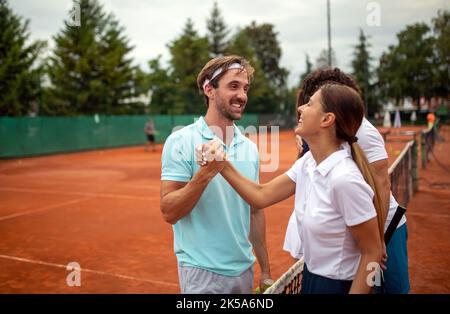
<point>222,106</point>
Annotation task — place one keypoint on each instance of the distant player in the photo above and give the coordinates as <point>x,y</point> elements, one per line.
<point>150,132</point>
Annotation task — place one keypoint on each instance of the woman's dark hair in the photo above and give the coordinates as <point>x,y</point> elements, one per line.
<point>348,108</point>
<point>314,80</point>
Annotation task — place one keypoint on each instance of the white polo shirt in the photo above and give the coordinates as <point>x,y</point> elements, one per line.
<point>329,198</point>
<point>292,243</point>
<point>372,144</point>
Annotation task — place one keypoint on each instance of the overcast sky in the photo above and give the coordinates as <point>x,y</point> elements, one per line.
<point>301,24</point>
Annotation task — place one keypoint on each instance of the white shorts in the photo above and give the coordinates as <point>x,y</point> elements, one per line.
<point>195,280</point>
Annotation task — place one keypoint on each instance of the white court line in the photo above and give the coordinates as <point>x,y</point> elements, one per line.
<point>26,260</point>
<point>79,194</point>
<point>118,185</point>
<point>32,211</point>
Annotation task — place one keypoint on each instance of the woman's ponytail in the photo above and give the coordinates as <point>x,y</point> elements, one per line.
<point>361,161</point>
<point>347,106</point>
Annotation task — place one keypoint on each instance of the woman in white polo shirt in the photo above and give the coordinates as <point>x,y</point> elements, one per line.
<point>337,206</point>
<point>396,277</point>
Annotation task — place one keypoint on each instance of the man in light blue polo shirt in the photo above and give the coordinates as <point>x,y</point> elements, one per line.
<point>214,228</point>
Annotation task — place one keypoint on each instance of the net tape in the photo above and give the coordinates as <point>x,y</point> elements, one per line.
<point>289,282</point>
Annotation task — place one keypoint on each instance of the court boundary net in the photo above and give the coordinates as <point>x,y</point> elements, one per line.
<point>403,174</point>
<point>428,137</point>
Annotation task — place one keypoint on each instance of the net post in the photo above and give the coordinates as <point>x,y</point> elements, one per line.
<point>423,149</point>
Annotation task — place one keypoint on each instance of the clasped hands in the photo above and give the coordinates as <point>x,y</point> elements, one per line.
<point>211,156</point>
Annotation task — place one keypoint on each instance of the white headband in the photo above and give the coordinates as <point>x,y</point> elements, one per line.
<point>219,70</point>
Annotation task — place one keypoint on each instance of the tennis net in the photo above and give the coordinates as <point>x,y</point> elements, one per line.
<point>404,175</point>
<point>289,282</point>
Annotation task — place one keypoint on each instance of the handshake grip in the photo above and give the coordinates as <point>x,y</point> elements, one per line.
<point>209,152</point>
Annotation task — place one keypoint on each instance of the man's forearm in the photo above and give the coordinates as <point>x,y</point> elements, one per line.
<point>258,239</point>
<point>385,198</point>
<point>384,186</point>
<point>383,182</point>
<point>177,204</point>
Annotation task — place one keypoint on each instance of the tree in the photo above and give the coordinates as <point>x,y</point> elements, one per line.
<point>407,68</point>
<point>441,30</point>
<point>322,59</point>
<point>217,32</point>
<point>89,69</point>
<point>189,53</point>
<point>162,87</point>
<point>292,92</point>
<point>265,43</point>
<point>119,77</point>
<point>241,45</point>
<point>308,66</point>
<point>390,80</point>
<point>363,73</point>
<point>20,76</point>
<point>262,96</point>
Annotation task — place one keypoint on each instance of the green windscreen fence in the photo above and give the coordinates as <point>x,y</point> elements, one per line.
<point>28,136</point>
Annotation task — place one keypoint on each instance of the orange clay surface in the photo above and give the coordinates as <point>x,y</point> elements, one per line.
<point>101,210</point>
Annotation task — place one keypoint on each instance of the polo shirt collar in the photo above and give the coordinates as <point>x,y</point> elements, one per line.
<point>206,132</point>
<point>326,165</point>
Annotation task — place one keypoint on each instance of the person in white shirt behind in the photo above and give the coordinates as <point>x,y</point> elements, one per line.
<point>395,274</point>
<point>337,204</point>
<point>292,242</point>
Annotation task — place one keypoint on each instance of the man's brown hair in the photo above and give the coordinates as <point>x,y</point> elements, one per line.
<point>315,79</point>
<point>221,63</point>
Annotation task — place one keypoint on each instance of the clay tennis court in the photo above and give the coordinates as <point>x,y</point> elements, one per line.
<point>100,209</point>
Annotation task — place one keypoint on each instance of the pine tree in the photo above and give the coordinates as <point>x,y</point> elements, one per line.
<point>308,65</point>
<point>322,59</point>
<point>189,53</point>
<point>217,32</point>
<point>120,77</point>
<point>162,86</point>
<point>363,73</point>
<point>89,69</point>
<point>20,76</point>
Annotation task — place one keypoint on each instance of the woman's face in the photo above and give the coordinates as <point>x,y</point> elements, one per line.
<point>310,116</point>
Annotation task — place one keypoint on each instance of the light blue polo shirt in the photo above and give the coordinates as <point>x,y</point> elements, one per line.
<point>214,235</point>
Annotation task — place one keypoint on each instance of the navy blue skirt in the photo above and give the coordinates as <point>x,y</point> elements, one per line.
<point>315,284</point>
